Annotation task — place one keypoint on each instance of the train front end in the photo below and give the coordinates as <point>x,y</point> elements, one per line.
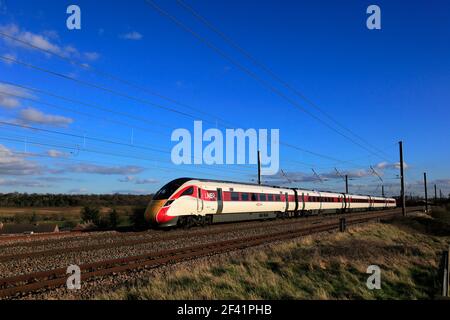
<point>158,212</point>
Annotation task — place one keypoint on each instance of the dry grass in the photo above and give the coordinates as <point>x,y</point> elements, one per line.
<point>331,266</point>
<point>57,215</point>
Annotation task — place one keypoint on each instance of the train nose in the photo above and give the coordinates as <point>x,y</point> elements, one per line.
<point>153,209</point>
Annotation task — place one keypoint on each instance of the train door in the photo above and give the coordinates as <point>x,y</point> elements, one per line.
<point>296,202</point>
<point>320,203</point>
<point>303,202</point>
<point>219,201</point>
<point>287,201</point>
<point>344,203</point>
<point>199,200</point>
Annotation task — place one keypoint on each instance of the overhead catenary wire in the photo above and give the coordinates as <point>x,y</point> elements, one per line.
<point>99,87</point>
<point>77,101</point>
<point>109,141</point>
<point>147,167</point>
<point>133,98</point>
<point>80,65</point>
<point>103,73</point>
<point>253,75</point>
<point>127,156</point>
<point>51,105</point>
<point>269,71</point>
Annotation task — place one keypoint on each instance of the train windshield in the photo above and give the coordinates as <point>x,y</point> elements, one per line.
<point>166,191</point>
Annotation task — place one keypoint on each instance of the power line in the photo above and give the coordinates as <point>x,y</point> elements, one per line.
<point>120,94</point>
<point>123,114</point>
<point>121,155</point>
<point>266,69</point>
<point>97,71</point>
<point>78,112</point>
<point>103,163</point>
<point>252,74</point>
<point>99,87</point>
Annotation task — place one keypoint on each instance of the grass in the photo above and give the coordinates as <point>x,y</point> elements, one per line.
<point>63,216</point>
<point>441,213</point>
<point>331,266</point>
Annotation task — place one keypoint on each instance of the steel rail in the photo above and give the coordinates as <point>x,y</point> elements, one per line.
<point>46,279</point>
<point>165,237</point>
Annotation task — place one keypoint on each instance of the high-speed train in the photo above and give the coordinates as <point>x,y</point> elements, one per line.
<point>188,202</point>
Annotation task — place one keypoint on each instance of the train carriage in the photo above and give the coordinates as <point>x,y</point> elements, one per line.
<point>186,202</point>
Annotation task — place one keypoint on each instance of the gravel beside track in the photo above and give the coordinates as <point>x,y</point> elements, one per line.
<point>95,247</point>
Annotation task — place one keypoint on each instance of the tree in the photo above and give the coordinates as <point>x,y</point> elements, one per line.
<point>137,217</point>
<point>113,218</point>
<point>34,217</point>
<point>91,214</point>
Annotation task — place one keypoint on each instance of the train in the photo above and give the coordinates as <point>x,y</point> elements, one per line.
<point>186,202</point>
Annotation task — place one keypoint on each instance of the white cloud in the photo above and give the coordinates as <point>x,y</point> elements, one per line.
<point>91,56</point>
<point>137,180</point>
<point>105,170</point>
<point>22,183</point>
<point>146,181</point>
<point>387,165</point>
<point>134,35</point>
<point>9,102</point>
<point>134,191</point>
<point>31,115</point>
<point>9,56</point>
<point>127,179</point>
<point>12,164</point>
<point>57,154</point>
<point>77,191</point>
<point>45,41</point>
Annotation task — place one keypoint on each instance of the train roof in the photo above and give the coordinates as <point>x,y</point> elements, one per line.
<point>185,179</point>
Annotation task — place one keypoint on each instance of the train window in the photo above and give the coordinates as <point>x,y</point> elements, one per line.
<point>254,198</point>
<point>277,197</point>
<point>270,197</point>
<point>262,197</point>
<point>169,189</point>
<point>235,196</point>
<point>244,196</point>
<point>189,191</point>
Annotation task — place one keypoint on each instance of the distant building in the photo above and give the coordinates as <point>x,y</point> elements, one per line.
<point>15,228</point>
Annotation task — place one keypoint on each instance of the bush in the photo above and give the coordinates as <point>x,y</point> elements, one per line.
<point>113,218</point>
<point>137,217</point>
<point>91,214</point>
<point>19,218</point>
<point>69,224</point>
<point>34,218</point>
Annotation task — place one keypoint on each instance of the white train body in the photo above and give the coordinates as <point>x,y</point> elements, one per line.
<point>208,201</point>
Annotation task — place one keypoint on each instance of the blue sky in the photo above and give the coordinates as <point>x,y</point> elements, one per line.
<point>384,85</point>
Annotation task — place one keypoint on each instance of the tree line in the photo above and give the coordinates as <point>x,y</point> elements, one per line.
<point>67,200</point>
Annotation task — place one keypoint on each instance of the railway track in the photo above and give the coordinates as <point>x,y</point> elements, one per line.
<point>32,282</point>
<point>166,237</point>
<point>62,234</point>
